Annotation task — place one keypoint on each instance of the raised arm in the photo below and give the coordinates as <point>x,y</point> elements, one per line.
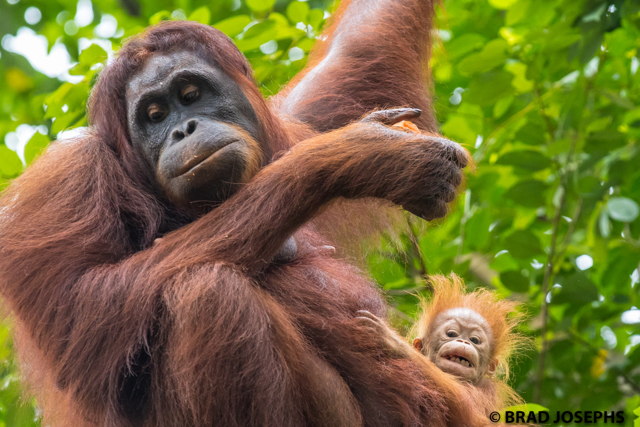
<point>373,55</point>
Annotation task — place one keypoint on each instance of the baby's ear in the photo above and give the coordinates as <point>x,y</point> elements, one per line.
<point>417,344</point>
<point>493,367</point>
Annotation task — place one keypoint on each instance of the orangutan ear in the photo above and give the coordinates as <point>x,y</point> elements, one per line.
<point>492,368</point>
<point>417,344</point>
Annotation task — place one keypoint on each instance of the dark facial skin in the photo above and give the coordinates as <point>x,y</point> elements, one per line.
<point>460,343</point>
<point>195,128</point>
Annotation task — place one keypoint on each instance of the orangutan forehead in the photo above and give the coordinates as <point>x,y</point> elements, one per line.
<point>466,317</point>
<point>160,69</point>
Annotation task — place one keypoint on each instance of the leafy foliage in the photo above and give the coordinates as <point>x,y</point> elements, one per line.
<point>544,94</point>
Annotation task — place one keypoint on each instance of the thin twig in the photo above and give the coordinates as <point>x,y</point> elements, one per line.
<point>416,249</point>
<point>463,223</point>
<point>567,237</point>
<point>545,290</point>
<point>545,116</point>
<point>548,272</point>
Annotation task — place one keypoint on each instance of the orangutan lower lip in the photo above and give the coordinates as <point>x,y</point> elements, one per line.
<point>200,159</point>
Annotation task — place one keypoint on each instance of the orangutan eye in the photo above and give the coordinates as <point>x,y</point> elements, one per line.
<point>156,113</point>
<point>189,94</point>
<point>452,334</point>
<point>475,340</point>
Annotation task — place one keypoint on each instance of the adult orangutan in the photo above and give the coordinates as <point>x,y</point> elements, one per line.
<point>236,316</point>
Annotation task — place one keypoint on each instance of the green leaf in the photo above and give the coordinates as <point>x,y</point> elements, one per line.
<point>93,55</point>
<point>515,281</point>
<point>457,128</point>
<point>502,106</point>
<point>257,35</point>
<point>306,44</point>
<point>477,228</point>
<point>525,159</point>
<point>589,186</point>
<point>10,163</point>
<point>604,224</point>
<point>529,193</point>
<point>619,100</point>
<point>56,100</point>
<point>163,15</point>
<point>35,146</point>
<point>604,141</point>
<point>595,15</point>
<point>531,133</point>
<point>201,15</point>
<point>577,289</point>
<point>591,44</point>
<point>488,88</point>
<point>259,29</point>
<point>316,17</point>
<point>502,4</point>
<point>260,5</point>
<point>623,209</point>
<point>517,13</point>
<point>279,19</point>
<point>520,82</point>
<point>464,44</point>
<point>491,56</point>
<point>298,11</point>
<point>234,25</point>
<point>523,244</point>
<point>621,261</point>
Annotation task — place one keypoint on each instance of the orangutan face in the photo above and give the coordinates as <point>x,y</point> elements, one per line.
<point>194,126</point>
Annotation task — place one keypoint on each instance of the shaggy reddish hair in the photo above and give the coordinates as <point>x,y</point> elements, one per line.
<point>502,315</point>
<point>203,328</point>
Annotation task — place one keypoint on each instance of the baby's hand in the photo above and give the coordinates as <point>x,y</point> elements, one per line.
<point>388,338</point>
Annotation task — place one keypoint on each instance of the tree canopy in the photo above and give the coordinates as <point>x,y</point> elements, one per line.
<point>544,93</point>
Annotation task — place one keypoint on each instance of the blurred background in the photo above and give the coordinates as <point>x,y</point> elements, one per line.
<point>544,93</point>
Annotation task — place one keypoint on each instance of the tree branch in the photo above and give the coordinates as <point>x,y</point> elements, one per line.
<point>548,273</point>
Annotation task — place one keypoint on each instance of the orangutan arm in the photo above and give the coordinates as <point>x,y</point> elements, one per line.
<point>373,55</point>
<point>420,172</point>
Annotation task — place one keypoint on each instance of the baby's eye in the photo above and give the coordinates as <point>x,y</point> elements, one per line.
<point>452,334</point>
<point>475,340</point>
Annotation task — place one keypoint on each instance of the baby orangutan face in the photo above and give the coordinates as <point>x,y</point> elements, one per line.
<point>460,342</point>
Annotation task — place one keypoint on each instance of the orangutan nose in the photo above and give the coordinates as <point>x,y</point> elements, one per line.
<point>183,130</point>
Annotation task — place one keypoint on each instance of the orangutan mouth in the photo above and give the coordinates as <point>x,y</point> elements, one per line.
<point>458,359</point>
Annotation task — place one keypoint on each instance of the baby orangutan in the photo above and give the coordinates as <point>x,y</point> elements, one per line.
<point>467,335</point>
